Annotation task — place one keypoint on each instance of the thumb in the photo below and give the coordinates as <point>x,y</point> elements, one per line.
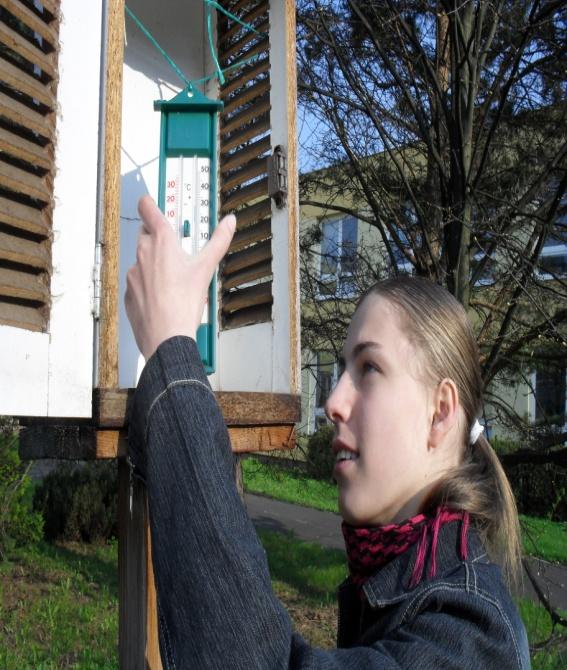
<point>219,243</point>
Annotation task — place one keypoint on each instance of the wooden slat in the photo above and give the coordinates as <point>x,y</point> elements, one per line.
<point>246,95</point>
<point>237,6</point>
<point>249,274</point>
<point>238,46</point>
<point>111,407</point>
<point>20,148</point>
<point>27,50</point>
<point>248,317</point>
<point>252,214</point>
<point>23,217</point>
<point>261,8</point>
<point>252,296</point>
<point>247,408</point>
<point>250,235</point>
<point>259,253</point>
<point>242,156</point>
<point>253,169</point>
<point>21,316</point>
<point>246,194</point>
<point>259,127</point>
<point>244,76</point>
<point>40,440</point>
<point>259,48</point>
<point>47,30</point>
<point>25,83</point>
<point>25,252</point>
<point>22,115</point>
<point>23,285</point>
<point>242,118</point>
<point>52,6</point>
<point>269,438</point>
<point>20,181</point>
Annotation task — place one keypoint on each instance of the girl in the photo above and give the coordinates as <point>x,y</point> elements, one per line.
<point>426,506</point>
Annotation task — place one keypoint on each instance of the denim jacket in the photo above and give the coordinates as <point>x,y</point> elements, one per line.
<point>216,607</point>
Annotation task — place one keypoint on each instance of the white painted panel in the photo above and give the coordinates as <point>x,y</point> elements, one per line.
<point>74,216</point>
<point>244,359</point>
<point>23,372</point>
<point>148,77</point>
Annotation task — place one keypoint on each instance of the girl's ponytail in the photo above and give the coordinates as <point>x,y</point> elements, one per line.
<point>480,486</point>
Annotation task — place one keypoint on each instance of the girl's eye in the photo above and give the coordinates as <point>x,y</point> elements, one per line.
<point>369,367</point>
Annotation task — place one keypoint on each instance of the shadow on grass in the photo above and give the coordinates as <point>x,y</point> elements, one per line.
<point>96,564</point>
<point>310,568</point>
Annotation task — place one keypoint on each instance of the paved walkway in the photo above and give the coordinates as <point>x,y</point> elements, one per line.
<point>325,528</point>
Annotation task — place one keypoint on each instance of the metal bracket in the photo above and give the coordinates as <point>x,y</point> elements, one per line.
<point>277,176</point>
<point>97,283</point>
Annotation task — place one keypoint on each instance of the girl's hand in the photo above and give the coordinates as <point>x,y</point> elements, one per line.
<point>166,290</point>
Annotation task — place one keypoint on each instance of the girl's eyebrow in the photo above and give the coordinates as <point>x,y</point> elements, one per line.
<point>360,347</point>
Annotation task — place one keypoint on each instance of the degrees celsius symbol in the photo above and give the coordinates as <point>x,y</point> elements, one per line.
<point>187,187</point>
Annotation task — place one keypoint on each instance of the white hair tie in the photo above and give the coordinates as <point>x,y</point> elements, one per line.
<point>476,431</point>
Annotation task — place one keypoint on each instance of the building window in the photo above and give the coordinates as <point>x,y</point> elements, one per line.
<point>553,259</point>
<point>551,395</point>
<point>338,257</point>
<point>325,379</point>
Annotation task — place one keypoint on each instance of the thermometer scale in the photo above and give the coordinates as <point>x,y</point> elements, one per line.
<point>187,203</point>
<point>187,192</point>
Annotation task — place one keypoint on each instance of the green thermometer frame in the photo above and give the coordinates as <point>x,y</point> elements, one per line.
<point>189,129</point>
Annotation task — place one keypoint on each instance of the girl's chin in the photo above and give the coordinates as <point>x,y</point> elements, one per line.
<point>358,515</point>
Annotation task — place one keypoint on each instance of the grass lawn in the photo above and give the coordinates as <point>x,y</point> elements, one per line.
<point>59,606</point>
<point>540,537</point>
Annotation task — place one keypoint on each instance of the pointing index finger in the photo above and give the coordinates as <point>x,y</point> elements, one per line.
<point>153,219</point>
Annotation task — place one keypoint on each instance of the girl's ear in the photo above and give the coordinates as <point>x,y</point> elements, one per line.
<point>445,412</point>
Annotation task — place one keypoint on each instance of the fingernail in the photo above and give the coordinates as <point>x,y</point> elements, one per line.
<point>231,220</point>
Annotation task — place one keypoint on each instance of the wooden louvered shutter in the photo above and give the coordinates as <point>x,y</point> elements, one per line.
<point>28,78</point>
<point>246,286</point>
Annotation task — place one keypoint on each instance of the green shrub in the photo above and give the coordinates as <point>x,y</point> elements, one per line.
<point>320,459</point>
<point>79,502</point>
<point>19,525</point>
<point>540,490</point>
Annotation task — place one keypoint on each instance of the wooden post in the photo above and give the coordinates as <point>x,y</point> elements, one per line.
<point>108,339</point>
<point>132,570</point>
<point>138,646</point>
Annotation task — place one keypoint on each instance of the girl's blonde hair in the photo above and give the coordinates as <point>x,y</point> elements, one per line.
<point>437,325</point>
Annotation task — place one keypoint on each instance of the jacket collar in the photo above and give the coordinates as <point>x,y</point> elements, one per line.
<point>390,584</point>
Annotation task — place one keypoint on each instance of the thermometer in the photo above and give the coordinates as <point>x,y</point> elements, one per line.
<point>187,193</point>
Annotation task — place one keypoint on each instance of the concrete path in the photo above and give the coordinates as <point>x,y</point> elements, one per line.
<point>324,528</point>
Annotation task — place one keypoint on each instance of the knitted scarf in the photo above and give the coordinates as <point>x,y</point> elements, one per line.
<point>370,548</point>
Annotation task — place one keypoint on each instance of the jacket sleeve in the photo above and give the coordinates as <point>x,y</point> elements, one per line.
<point>216,606</point>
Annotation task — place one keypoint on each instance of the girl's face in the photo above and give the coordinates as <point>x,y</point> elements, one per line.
<point>383,415</point>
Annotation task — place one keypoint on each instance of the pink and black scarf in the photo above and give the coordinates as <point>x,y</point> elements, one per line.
<point>370,548</point>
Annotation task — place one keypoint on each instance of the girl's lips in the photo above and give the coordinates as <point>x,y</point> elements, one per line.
<point>343,465</point>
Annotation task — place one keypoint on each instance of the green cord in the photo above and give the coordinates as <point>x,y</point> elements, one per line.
<point>219,71</point>
<point>234,18</point>
<point>212,46</point>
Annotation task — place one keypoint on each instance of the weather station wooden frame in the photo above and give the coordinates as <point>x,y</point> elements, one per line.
<point>64,250</point>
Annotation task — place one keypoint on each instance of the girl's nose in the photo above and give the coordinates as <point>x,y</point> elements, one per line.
<point>338,405</point>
